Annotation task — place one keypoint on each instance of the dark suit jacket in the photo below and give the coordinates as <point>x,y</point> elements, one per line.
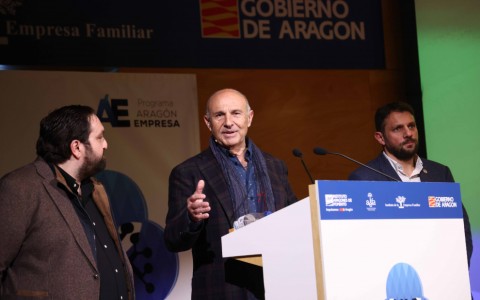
<point>432,172</point>
<point>210,271</point>
<point>44,252</point>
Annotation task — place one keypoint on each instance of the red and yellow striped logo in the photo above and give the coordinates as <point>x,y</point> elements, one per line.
<point>219,18</point>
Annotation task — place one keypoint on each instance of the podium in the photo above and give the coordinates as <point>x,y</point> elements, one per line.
<point>361,240</point>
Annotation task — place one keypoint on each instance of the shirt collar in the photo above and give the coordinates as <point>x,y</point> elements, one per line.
<point>72,184</point>
<point>399,169</point>
<point>227,153</point>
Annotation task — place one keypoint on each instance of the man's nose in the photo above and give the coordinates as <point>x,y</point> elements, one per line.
<point>228,120</point>
<point>408,132</point>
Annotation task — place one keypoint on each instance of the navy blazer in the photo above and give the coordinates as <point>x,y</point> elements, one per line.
<point>213,276</point>
<point>431,172</point>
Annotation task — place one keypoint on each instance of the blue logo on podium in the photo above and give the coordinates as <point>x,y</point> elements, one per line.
<point>403,282</point>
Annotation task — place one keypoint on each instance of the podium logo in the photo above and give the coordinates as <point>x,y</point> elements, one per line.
<point>219,19</point>
<point>403,282</point>
<point>370,202</point>
<point>337,200</point>
<point>445,202</point>
<point>400,200</point>
<point>401,203</point>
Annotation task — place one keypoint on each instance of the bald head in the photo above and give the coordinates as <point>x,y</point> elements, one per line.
<point>221,93</point>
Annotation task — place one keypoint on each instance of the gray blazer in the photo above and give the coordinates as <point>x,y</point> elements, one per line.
<point>44,252</point>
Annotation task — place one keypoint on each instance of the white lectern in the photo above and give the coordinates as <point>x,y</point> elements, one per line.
<point>361,240</point>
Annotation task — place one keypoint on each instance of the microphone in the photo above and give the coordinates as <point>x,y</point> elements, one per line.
<point>299,154</point>
<point>321,151</point>
<point>248,219</point>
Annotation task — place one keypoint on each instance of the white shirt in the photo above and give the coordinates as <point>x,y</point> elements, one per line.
<point>415,177</point>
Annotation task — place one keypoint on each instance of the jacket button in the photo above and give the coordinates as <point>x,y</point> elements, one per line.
<point>95,276</point>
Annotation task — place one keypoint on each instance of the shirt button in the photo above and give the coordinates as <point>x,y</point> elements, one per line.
<point>105,246</point>
<point>95,276</point>
<point>116,270</point>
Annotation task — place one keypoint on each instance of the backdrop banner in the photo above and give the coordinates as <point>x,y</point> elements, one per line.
<point>333,34</point>
<point>151,125</point>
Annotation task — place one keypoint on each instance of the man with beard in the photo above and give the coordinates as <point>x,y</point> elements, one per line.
<point>58,237</point>
<point>396,131</point>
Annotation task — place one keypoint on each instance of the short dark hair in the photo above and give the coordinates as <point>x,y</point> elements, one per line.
<point>384,111</point>
<point>59,128</point>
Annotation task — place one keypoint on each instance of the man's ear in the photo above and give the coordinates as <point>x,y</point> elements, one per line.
<point>250,117</point>
<point>76,147</point>
<point>207,122</point>
<point>379,137</point>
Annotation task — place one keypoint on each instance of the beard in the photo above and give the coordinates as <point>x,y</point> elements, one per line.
<point>92,166</point>
<point>400,152</point>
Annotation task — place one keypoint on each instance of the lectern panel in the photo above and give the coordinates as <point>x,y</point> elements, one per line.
<point>392,240</point>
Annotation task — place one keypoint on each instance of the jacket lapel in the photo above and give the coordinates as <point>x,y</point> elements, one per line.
<point>385,167</point>
<point>210,170</point>
<point>66,209</point>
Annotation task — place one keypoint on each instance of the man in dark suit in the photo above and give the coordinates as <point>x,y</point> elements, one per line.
<point>211,190</point>
<point>396,131</point>
<point>58,239</point>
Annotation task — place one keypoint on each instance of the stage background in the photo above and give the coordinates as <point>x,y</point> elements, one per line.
<point>294,108</point>
<point>449,44</point>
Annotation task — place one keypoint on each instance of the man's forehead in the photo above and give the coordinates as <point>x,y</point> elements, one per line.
<point>228,104</point>
<point>400,116</point>
<point>95,124</point>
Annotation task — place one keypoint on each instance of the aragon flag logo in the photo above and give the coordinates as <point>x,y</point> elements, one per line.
<point>219,19</point>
